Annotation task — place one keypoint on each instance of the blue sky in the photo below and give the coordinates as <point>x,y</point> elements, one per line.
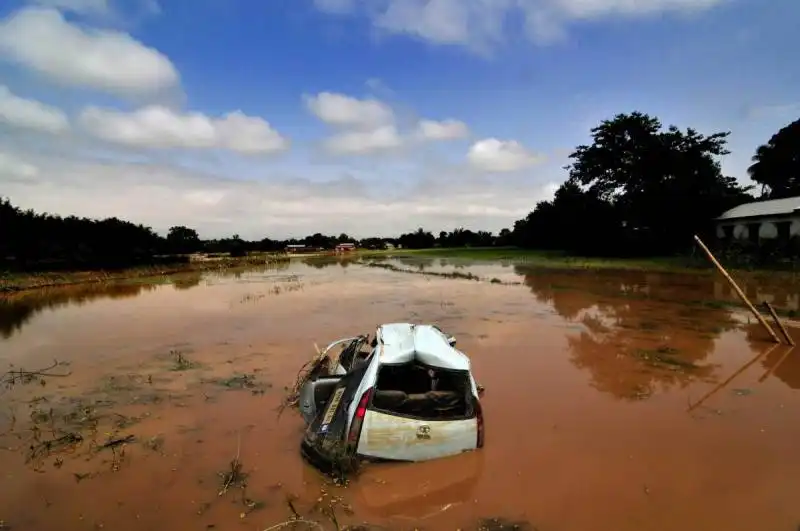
<point>286,117</point>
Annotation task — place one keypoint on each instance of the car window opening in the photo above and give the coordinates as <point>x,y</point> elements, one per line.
<point>416,390</point>
<point>355,353</point>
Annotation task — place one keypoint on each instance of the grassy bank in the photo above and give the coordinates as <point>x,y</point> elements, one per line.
<point>695,264</point>
<point>18,281</point>
<point>550,259</point>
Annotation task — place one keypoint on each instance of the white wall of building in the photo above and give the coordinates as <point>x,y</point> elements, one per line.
<point>767,228</point>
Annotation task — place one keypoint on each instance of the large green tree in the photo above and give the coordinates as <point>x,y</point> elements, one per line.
<point>664,184</point>
<point>636,189</point>
<point>776,164</point>
<point>182,239</point>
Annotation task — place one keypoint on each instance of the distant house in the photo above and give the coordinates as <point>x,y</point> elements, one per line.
<point>345,247</point>
<point>761,220</point>
<point>293,249</point>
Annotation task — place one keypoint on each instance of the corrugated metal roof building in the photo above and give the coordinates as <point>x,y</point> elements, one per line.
<point>761,220</point>
<point>773,207</point>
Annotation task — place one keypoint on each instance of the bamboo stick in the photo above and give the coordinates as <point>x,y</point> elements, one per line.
<point>778,322</point>
<point>738,290</point>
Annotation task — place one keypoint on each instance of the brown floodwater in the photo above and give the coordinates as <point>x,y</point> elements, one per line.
<point>609,401</point>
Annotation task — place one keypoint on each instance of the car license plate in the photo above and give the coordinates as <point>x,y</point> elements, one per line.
<point>337,397</point>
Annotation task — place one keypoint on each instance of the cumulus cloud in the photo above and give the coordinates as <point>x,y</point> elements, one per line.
<point>116,13</point>
<point>43,41</point>
<point>30,114</point>
<point>345,111</point>
<point>162,196</point>
<point>363,142</point>
<point>13,168</point>
<point>156,126</point>
<point>442,130</point>
<point>369,125</point>
<point>498,156</point>
<point>479,24</point>
<point>364,126</point>
<point>91,7</point>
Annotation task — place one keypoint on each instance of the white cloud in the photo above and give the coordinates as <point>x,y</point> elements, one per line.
<point>445,21</point>
<point>496,156</point>
<point>160,127</point>
<point>12,168</point>
<point>587,9</point>
<point>106,11</point>
<point>161,196</point>
<point>77,6</point>
<point>363,142</point>
<point>44,41</point>
<point>368,125</point>
<point>364,126</point>
<point>479,24</point>
<point>345,111</point>
<point>442,130</point>
<point>30,114</point>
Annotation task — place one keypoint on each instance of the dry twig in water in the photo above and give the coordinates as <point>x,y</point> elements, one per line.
<point>235,474</point>
<point>309,523</point>
<point>45,448</point>
<point>21,376</point>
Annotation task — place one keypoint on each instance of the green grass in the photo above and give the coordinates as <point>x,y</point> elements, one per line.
<point>551,259</point>
<point>560,261</point>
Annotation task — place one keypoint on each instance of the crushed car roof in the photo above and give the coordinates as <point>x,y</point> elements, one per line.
<point>405,342</point>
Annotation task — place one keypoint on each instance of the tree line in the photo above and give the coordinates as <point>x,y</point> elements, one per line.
<point>637,189</point>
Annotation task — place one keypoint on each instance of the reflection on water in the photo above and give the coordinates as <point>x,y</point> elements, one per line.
<point>321,262</point>
<point>634,327</point>
<point>783,364</point>
<point>421,263</point>
<point>187,281</point>
<point>783,297</point>
<point>17,309</point>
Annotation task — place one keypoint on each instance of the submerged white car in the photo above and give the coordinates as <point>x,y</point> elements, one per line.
<point>408,395</point>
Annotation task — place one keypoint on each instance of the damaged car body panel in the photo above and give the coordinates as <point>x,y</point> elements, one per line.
<point>411,397</point>
<point>396,438</point>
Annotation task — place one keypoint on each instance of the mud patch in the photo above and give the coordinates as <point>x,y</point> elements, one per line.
<point>243,381</point>
<point>502,524</point>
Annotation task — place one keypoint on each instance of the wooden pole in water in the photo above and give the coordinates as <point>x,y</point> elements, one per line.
<point>778,322</point>
<point>738,290</point>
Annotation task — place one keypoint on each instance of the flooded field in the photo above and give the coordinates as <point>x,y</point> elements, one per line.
<point>604,407</point>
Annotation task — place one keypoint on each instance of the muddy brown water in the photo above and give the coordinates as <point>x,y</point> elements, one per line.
<point>594,404</point>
